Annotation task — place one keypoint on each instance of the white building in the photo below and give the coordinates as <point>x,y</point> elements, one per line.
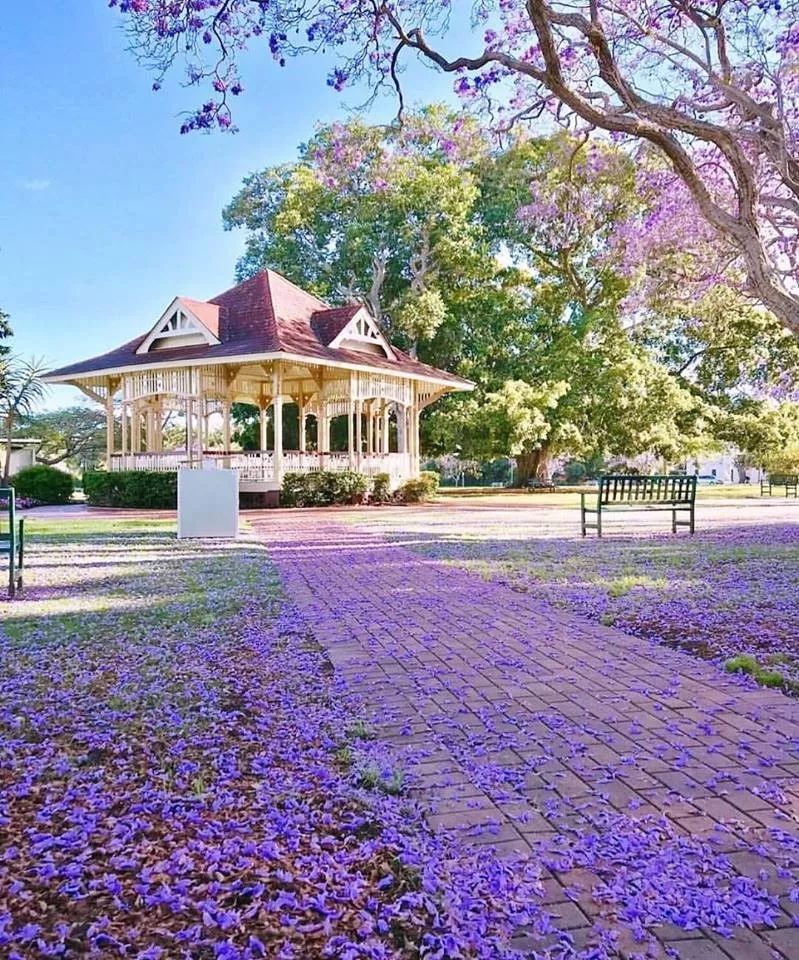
<point>23,453</point>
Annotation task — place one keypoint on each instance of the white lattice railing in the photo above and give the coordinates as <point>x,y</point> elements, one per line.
<point>251,464</point>
<point>160,462</point>
<point>396,465</point>
<point>260,464</point>
<point>296,461</point>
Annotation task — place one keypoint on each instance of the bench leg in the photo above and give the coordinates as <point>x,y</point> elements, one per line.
<point>599,523</point>
<point>673,521</point>
<point>21,554</point>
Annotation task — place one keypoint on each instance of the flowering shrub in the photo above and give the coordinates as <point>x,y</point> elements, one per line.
<point>43,484</point>
<point>131,488</point>
<point>21,503</point>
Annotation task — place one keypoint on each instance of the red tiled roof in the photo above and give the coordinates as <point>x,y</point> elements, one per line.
<point>206,313</point>
<point>266,314</point>
<point>328,324</point>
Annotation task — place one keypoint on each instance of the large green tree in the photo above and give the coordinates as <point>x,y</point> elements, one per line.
<point>505,266</point>
<point>558,370</point>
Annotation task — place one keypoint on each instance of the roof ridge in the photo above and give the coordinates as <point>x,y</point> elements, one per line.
<point>272,272</point>
<point>267,274</point>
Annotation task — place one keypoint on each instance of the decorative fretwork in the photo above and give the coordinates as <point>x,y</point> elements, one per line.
<point>180,382</point>
<point>367,386</point>
<point>177,327</point>
<point>363,333</point>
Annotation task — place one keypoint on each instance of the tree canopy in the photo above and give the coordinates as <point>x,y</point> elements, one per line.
<point>711,91</point>
<point>523,288</point>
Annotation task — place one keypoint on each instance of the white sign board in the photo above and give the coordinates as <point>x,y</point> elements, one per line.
<point>208,503</point>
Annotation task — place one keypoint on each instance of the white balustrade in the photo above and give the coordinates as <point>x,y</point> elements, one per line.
<point>159,462</point>
<point>259,465</point>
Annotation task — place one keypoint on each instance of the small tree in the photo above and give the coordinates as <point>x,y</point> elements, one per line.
<point>73,434</point>
<point>21,388</point>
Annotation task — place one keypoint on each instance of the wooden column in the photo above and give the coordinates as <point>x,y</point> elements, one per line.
<point>358,432</point>
<point>351,423</point>
<point>109,428</point>
<point>322,433</point>
<point>303,415</point>
<point>149,435</point>
<point>123,423</point>
<point>159,424</point>
<point>370,427</point>
<point>386,429</point>
<point>190,430</point>
<point>277,408</point>
<point>226,425</point>
<point>415,435</point>
<point>402,429</point>
<point>135,428</point>
<point>264,425</point>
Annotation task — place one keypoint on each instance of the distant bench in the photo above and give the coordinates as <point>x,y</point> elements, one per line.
<point>623,492</point>
<point>533,485</point>
<point>788,480</point>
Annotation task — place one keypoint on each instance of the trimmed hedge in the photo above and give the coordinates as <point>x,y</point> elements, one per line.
<point>43,484</point>
<point>132,488</point>
<point>420,490</point>
<point>322,488</point>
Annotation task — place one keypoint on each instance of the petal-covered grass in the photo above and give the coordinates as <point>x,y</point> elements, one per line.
<point>183,775</point>
<point>727,595</point>
<point>659,794</point>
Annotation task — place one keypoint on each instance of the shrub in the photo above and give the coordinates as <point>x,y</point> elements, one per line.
<point>322,488</point>
<point>742,663</point>
<point>131,488</point>
<point>43,484</point>
<point>420,490</point>
<point>381,488</point>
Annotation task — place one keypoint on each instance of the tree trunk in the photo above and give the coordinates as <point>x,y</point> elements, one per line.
<point>533,465</point>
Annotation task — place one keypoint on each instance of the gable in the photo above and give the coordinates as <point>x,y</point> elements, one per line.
<point>363,334</point>
<point>179,326</point>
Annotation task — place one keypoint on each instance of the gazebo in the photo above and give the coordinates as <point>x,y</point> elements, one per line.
<point>267,343</point>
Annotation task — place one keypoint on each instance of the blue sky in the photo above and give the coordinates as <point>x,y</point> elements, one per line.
<point>106,211</point>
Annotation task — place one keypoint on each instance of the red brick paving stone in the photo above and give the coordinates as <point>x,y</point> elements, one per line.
<point>744,945</point>
<point>436,654</point>
<point>786,941</point>
<point>699,950</point>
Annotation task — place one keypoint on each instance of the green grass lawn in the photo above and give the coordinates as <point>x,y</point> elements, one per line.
<point>571,497</point>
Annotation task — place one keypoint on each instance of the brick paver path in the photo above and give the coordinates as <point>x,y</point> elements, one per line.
<point>535,726</point>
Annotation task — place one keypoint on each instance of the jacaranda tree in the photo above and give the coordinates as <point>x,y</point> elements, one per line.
<point>712,88</point>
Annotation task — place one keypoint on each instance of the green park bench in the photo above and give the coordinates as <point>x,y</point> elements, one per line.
<point>625,492</point>
<point>788,480</point>
<point>12,539</point>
